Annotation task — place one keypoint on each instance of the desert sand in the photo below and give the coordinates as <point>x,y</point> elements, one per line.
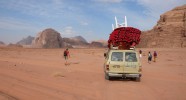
<point>41,74</point>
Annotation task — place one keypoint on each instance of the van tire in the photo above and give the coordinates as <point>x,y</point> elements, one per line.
<point>107,77</point>
<point>137,79</point>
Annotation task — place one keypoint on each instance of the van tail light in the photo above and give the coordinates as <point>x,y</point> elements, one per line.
<point>107,67</point>
<point>140,69</point>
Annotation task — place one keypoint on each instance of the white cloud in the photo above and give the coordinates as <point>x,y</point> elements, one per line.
<point>14,24</point>
<point>68,30</point>
<point>35,7</point>
<point>57,2</point>
<point>13,30</point>
<point>157,7</point>
<point>84,23</point>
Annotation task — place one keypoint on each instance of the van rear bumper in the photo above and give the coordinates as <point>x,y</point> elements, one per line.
<point>124,75</point>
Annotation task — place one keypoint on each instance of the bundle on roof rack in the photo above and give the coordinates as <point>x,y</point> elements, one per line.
<point>124,38</point>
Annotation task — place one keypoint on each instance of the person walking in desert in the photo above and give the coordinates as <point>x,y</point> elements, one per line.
<point>155,56</point>
<point>140,52</point>
<point>66,56</point>
<point>149,57</point>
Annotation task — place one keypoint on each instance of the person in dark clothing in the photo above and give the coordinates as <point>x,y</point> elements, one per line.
<point>66,55</point>
<point>149,57</point>
<point>155,56</point>
<point>140,52</point>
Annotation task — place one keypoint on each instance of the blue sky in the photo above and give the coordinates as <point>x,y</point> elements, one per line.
<point>91,19</point>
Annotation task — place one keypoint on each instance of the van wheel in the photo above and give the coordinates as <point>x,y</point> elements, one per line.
<point>107,77</point>
<point>137,79</point>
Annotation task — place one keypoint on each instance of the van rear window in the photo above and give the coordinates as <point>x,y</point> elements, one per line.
<point>130,57</point>
<point>117,56</point>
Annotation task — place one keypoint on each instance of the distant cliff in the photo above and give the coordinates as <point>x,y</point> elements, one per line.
<point>50,38</point>
<point>77,41</point>
<point>169,32</point>
<point>26,41</point>
<point>98,44</point>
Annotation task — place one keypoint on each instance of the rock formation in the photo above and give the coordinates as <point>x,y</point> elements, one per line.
<point>26,41</point>
<point>77,41</point>
<point>95,44</point>
<point>79,38</point>
<point>99,44</point>
<point>48,38</point>
<point>169,32</point>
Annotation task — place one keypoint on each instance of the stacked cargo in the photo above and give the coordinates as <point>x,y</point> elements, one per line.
<point>124,38</point>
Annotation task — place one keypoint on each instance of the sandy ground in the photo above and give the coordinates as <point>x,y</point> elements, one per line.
<point>40,74</point>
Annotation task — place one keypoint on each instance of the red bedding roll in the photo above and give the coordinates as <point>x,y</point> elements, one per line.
<point>124,37</point>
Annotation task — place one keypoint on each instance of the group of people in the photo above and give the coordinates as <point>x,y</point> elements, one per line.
<point>149,56</point>
<point>67,55</point>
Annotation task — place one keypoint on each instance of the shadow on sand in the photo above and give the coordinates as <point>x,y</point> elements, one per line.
<point>123,79</point>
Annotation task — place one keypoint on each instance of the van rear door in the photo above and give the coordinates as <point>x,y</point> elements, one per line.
<point>131,62</point>
<point>116,62</point>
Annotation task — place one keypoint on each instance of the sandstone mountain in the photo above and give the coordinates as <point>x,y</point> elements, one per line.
<point>48,38</point>
<point>77,41</point>
<point>98,44</point>
<point>169,32</point>
<point>95,44</point>
<point>103,42</point>
<point>79,38</point>
<point>26,41</point>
